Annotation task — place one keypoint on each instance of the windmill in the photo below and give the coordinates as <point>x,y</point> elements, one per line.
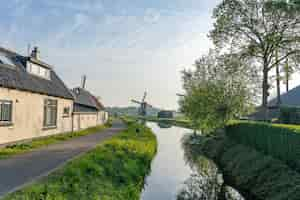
<point>143,105</point>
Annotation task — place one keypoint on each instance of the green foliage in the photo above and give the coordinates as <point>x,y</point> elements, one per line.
<point>114,170</point>
<point>217,90</point>
<point>254,174</point>
<point>41,142</point>
<point>291,7</point>
<point>280,141</point>
<point>257,29</point>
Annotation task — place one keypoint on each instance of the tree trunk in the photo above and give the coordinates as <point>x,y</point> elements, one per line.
<point>278,81</point>
<point>287,75</point>
<point>265,92</point>
<point>278,85</point>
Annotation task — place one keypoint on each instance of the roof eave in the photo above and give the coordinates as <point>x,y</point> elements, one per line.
<point>41,93</point>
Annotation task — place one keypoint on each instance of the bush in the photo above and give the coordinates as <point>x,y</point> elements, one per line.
<point>278,140</point>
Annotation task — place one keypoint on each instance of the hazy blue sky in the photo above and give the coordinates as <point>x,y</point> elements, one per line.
<point>123,46</point>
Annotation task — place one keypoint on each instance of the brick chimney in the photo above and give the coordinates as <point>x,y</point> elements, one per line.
<point>83,81</point>
<point>35,53</point>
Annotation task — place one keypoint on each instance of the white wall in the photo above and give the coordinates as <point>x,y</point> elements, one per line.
<point>28,116</point>
<point>87,120</point>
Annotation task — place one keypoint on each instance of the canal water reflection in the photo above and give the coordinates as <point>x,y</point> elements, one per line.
<point>178,175</point>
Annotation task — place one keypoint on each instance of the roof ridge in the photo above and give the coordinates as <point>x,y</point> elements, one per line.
<point>6,50</point>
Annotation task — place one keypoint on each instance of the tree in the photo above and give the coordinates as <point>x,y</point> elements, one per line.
<point>287,76</point>
<point>217,90</point>
<point>287,68</point>
<point>257,29</point>
<point>278,77</point>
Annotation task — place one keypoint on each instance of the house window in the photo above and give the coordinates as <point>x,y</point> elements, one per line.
<point>5,111</point>
<point>38,70</point>
<point>66,112</point>
<point>50,113</point>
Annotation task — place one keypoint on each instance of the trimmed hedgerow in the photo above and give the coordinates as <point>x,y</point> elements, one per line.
<point>256,175</point>
<point>278,140</point>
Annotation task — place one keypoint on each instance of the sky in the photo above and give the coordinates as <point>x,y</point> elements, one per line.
<point>123,47</point>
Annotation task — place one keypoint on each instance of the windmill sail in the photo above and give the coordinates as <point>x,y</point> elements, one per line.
<point>143,105</point>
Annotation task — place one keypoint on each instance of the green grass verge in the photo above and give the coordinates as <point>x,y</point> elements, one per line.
<point>256,175</point>
<point>180,122</point>
<point>41,142</point>
<point>115,170</point>
<point>278,140</point>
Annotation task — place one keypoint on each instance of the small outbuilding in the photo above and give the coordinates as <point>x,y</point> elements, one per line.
<point>165,114</point>
<point>88,110</point>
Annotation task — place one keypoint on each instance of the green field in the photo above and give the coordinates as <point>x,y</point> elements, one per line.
<point>115,170</point>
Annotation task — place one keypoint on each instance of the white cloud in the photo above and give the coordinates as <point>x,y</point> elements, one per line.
<point>123,51</point>
<point>77,5</point>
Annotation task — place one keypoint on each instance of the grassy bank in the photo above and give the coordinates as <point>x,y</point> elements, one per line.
<point>41,142</point>
<point>278,140</point>
<point>184,123</point>
<point>257,176</point>
<point>115,170</point>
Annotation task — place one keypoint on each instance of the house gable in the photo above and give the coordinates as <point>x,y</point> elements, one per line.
<point>17,75</point>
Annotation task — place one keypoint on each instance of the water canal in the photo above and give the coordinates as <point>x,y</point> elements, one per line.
<point>175,176</point>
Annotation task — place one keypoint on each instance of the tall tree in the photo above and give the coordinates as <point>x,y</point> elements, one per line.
<point>257,29</point>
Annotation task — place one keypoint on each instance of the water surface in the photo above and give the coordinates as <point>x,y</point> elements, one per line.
<point>169,169</point>
<point>176,175</point>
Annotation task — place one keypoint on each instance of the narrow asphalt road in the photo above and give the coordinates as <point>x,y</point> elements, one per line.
<point>20,170</point>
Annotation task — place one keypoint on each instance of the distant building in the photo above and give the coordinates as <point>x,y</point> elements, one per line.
<point>289,99</point>
<point>165,114</point>
<point>34,101</point>
<point>88,110</point>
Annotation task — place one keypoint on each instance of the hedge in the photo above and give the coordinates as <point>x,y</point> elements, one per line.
<point>278,140</point>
